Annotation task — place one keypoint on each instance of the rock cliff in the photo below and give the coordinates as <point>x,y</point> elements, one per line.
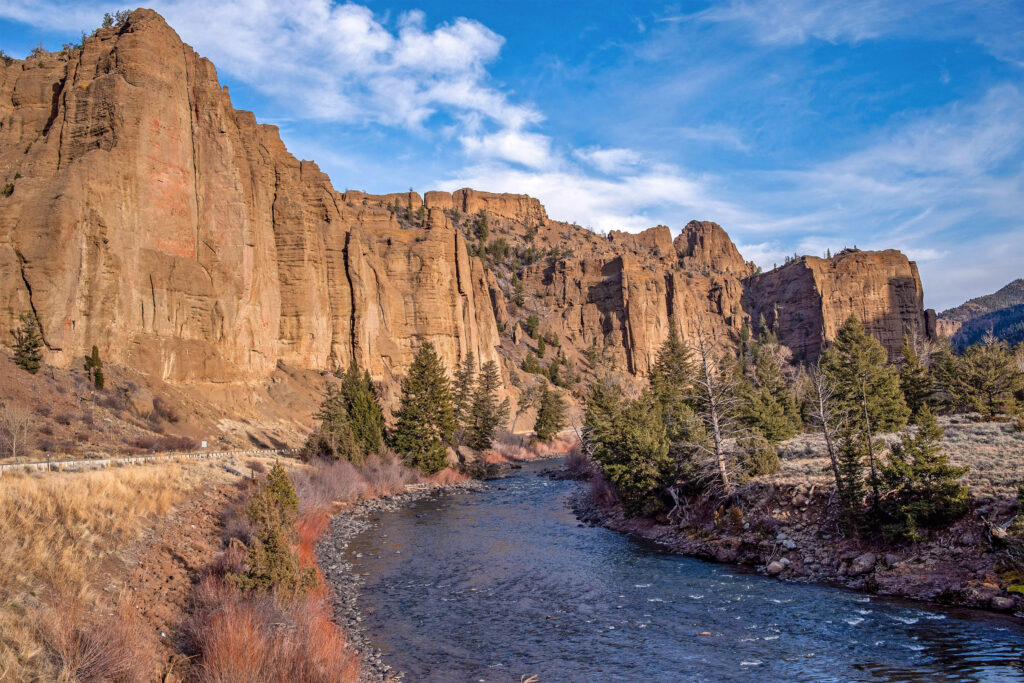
<point>149,217</point>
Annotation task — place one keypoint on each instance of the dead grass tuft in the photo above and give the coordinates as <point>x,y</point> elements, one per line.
<point>86,646</point>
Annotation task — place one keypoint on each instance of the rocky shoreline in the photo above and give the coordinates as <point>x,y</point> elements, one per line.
<point>790,533</point>
<point>346,584</point>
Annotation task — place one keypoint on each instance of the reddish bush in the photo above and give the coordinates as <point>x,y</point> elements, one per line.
<point>448,476</point>
<point>578,465</point>
<point>601,492</point>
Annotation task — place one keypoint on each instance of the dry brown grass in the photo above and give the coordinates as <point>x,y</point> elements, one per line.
<point>994,452</point>
<point>60,537</point>
<point>509,447</point>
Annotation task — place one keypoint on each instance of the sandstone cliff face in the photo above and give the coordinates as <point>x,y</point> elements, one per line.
<point>808,300</point>
<point>152,219</point>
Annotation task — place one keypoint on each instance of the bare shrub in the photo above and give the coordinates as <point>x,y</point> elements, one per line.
<point>164,443</point>
<point>16,426</point>
<point>263,638</point>
<point>89,647</point>
<point>601,492</point>
<point>64,418</point>
<point>162,410</point>
<point>47,444</point>
<point>113,401</point>
<point>448,476</point>
<point>329,482</point>
<point>385,475</point>
<point>578,465</point>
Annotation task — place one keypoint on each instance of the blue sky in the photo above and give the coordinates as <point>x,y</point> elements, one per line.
<point>799,126</point>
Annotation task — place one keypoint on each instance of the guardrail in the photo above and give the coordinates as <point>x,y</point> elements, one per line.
<point>100,463</point>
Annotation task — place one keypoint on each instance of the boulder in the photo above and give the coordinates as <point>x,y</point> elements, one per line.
<point>862,564</point>
<point>774,568</point>
<point>1003,603</point>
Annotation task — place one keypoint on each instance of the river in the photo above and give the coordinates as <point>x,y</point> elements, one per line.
<point>505,583</point>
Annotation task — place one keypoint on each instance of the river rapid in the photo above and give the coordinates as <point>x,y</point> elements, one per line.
<point>505,583</point>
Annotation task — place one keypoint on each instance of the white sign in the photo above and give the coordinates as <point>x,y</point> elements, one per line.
<point>204,444</point>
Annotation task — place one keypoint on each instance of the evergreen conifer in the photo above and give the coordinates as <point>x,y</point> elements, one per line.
<point>426,414</point>
<point>550,415</point>
<point>486,413</point>
<point>28,342</point>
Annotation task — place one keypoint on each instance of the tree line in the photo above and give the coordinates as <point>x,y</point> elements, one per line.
<point>435,413</point>
<point>711,419</point>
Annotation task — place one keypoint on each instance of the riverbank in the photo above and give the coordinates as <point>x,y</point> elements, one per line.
<point>345,525</point>
<point>791,532</point>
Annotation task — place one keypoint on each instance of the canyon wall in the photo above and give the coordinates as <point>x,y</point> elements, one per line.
<point>149,217</point>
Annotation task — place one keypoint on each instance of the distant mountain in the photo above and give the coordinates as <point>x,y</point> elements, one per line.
<point>1001,313</point>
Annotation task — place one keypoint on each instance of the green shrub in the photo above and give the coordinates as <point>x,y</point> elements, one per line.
<point>759,456</point>
<point>922,488</point>
<point>271,564</point>
<point>7,190</point>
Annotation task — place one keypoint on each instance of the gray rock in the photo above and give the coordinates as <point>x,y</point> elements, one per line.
<point>1002,603</point>
<point>862,564</point>
<point>789,544</point>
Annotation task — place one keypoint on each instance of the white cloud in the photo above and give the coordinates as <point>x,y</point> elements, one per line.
<point>997,26</point>
<point>716,134</point>
<point>791,22</point>
<point>648,195</point>
<point>330,62</point>
<point>608,161</point>
<point>517,146</point>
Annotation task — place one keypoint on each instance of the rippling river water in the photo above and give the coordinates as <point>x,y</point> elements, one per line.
<point>495,585</point>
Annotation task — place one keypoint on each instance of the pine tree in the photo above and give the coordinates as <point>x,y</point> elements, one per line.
<point>915,380</point>
<point>334,438</point>
<point>550,415</point>
<point>365,417</point>
<point>922,488</point>
<point>852,451</point>
<point>518,297</point>
<point>950,391</point>
<point>486,413</point>
<point>271,564</point>
<point>426,414</point>
<point>28,342</point>
<point>672,380</point>
<point>604,401</point>
<point>634,455</point>
<point>989,377</point>
<point>463,390</point>
<point>770,407</point>
<point>94,367</point>
<point>867,390</point>
<point>542,347</point>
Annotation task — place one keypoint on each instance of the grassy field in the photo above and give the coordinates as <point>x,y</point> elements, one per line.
<point>994,452</point>
<point>63,614</point>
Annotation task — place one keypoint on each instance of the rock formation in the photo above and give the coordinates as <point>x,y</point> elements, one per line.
<point>144,214</point>
<point>151,218</point>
